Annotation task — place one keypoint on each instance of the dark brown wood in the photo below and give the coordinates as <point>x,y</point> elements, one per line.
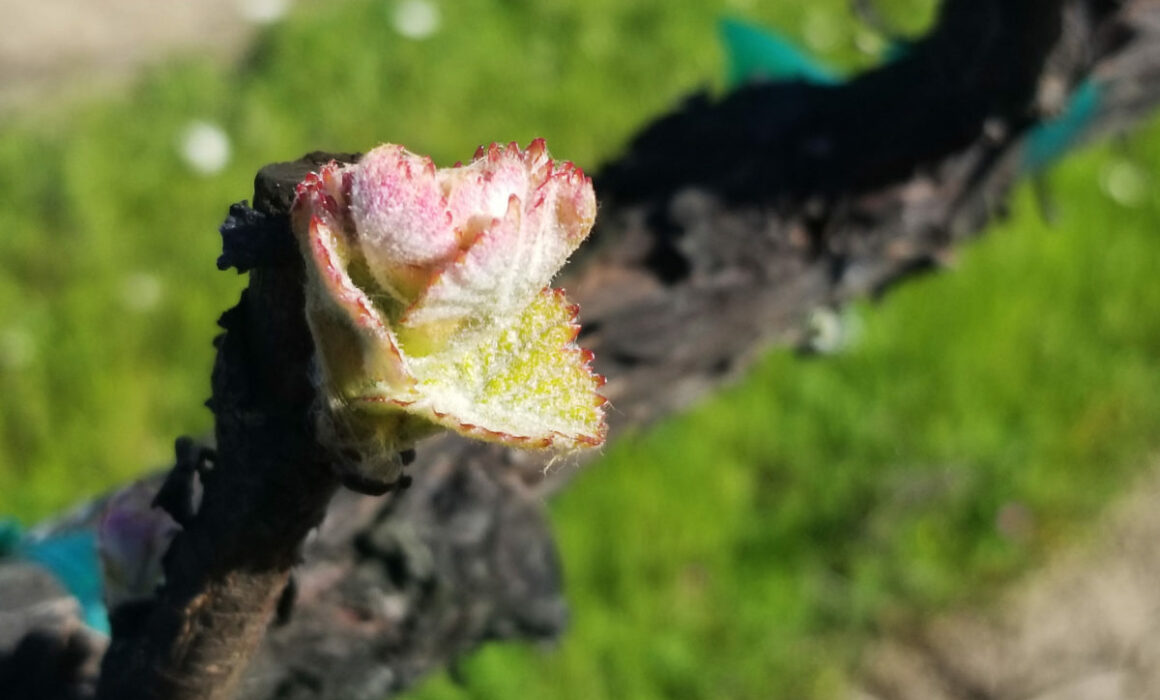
<point>269,485</point>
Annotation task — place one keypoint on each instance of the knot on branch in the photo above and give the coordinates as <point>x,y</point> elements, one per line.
<point>253,239</point>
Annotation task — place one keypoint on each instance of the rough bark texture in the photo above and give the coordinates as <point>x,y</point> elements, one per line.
<point>723,226</point>
<point>269,485</point>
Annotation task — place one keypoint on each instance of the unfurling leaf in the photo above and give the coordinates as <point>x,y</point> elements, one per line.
<point>429,304</point>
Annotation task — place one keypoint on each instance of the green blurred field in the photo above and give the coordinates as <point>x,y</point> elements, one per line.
<point>748,549</point>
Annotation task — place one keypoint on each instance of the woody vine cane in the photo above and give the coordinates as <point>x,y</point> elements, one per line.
<point>427,306</point>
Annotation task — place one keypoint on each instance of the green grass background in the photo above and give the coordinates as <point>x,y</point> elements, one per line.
<point>748,549</point>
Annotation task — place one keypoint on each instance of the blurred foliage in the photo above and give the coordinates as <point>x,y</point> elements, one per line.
<point>747,549</point>
<point>108,289</point>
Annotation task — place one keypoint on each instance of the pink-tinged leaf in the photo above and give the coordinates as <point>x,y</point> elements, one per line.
<point>478,192</point>
<point>360,347</point>
<point>517,253</point>
<point>404,227</point>
<point>428,299</point>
